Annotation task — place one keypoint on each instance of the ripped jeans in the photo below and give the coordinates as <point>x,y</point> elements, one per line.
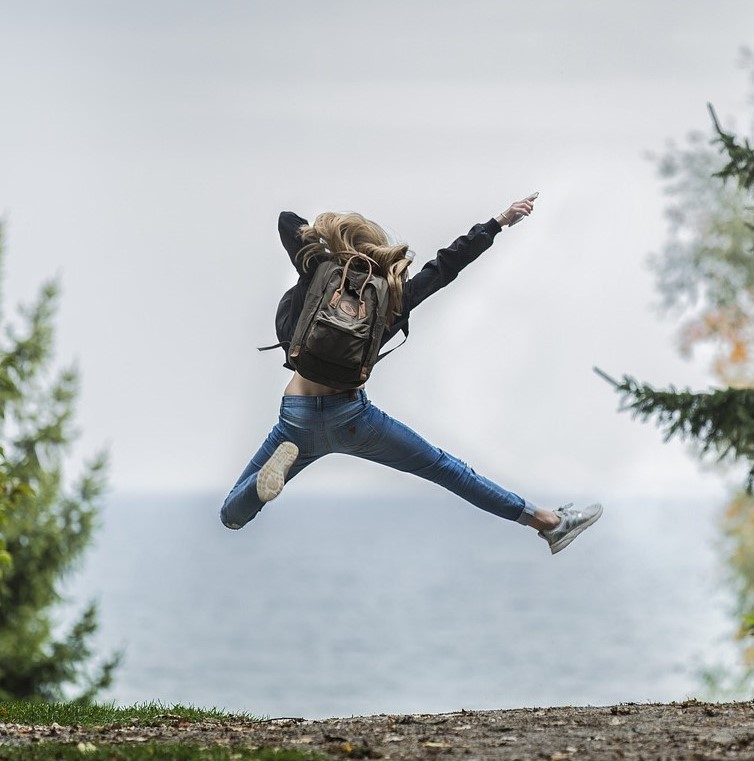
<point>349,423</point>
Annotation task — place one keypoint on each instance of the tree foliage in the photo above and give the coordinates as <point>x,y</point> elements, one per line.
<point>705,272</point>
<point>47,523</point>
<point>720,421</point>
<point>8,499</point>
<point>740,166</point>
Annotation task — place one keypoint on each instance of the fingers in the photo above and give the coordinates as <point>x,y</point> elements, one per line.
<point>524,207</point>
<point>526,202</point>
<point>517,211</point>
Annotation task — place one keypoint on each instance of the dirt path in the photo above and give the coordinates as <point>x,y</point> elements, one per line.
<point>692,731</point>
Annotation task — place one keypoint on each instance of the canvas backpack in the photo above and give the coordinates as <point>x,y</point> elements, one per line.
<point>337,338</point>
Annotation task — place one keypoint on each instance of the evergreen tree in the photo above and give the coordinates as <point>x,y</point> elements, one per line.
<point>707,270</point>
<point>47,523</point>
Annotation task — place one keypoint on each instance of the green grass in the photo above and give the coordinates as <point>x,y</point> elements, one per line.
<point>105,714</point>
<point>141,714</point>
<point>146,752</point>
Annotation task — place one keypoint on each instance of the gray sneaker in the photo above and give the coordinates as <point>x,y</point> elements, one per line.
<point>271,476</point>
<point>572,522</point>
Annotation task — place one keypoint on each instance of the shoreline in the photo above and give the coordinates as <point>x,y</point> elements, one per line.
<point>685,730</point>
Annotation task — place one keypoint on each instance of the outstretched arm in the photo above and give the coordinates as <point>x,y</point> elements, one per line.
<point>444,268</point>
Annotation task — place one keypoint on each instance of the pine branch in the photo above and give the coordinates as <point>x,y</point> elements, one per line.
<point>720,421</point>
<point>741,164</point>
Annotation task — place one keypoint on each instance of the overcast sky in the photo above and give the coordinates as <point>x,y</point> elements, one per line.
<point>146,149</point>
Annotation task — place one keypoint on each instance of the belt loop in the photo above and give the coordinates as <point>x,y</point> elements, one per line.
<point>353,395</point>
<point>319,404</point>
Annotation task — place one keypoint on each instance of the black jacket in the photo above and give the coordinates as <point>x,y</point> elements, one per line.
<point>436,274</point>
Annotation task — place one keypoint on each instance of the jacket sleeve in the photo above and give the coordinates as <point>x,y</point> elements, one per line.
<point>288,227</point>
<point>444,268</point>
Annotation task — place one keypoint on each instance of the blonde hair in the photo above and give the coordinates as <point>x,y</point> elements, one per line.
<point>339,236</point>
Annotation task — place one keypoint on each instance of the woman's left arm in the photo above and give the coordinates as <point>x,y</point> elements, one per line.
<point>288,227</point>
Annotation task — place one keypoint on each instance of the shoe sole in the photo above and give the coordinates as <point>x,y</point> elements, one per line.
<point>571,535</point>
<point>271,476</point>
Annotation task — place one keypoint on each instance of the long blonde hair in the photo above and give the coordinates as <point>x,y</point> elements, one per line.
<point>339,236</point>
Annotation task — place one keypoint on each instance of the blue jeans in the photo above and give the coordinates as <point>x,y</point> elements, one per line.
<point>350,424</point>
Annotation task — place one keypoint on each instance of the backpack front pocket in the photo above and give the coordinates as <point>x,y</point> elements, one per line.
<point>338,342</point>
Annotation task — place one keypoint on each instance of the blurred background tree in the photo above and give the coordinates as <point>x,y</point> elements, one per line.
<point>46,524</point>
<point>705,273</point>
<point>6,501</point>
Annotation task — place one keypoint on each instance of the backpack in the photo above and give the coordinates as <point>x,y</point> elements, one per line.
<point>337,338</point>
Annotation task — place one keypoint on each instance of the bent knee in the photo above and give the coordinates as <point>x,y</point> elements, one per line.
<point>234,517</point>
<point>229,521</point>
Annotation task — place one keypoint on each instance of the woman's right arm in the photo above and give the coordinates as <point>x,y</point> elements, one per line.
<point>445,267</point>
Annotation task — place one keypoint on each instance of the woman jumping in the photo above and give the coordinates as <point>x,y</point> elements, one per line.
<point>316,420</point>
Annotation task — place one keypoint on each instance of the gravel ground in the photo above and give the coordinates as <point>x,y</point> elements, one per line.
<point>691,731</point>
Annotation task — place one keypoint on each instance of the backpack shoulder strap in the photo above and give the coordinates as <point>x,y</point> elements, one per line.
<point>281,345</point>
<point>320,276</point>
<point>384,354</point>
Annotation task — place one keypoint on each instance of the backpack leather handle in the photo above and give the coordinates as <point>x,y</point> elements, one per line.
<point>336,297</point>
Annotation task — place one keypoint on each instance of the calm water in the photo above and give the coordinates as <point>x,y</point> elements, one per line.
<point>326,607</point>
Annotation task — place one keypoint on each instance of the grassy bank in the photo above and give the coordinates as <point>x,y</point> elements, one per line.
<point>98,714</point>
<point>109,718</point>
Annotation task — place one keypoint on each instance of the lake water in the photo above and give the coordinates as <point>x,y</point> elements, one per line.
<point>413,603</point>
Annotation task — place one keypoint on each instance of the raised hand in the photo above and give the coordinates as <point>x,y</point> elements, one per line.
<point>517,211</point>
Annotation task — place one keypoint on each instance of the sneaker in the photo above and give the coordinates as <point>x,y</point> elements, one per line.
<point>572,522</point>
<point>271,476</point>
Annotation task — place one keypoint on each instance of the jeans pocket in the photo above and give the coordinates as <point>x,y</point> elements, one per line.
<point>299,430</point>
<point>356,434</point>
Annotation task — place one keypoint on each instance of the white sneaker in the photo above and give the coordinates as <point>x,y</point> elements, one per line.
<point>271,476</point>
<point>572,522</point>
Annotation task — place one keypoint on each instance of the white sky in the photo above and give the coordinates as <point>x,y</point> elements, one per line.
<point>146,149</point>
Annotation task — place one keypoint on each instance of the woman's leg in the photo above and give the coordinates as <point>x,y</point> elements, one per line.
<point>243,502</point>
<point>394,444</point>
